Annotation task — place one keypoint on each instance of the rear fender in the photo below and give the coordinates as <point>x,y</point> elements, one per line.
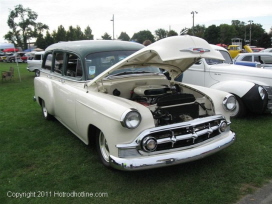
<point>44,91</point>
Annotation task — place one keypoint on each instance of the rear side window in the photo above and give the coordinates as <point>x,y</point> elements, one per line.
<point>247,58</point>
<point>38,57</point>
<point>73,67</point>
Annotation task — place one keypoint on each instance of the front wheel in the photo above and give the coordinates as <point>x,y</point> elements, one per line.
<point>46,115</point>
<point>103,149</point>
<point>37,73</point>
<point>240,109</point>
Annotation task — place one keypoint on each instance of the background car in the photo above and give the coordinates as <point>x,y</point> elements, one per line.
<point>264,58</point>
<point>252,87</point>
<point>34,64</point>
<point>114,93</point>
<point>267,50</point>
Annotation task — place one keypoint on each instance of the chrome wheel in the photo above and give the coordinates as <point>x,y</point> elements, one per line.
<point>44,110</point>
<point>46,115</point>
<point>240,109</point>
<point>104,148</point>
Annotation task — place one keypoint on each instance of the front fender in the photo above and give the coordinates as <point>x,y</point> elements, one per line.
<point>239,88</point>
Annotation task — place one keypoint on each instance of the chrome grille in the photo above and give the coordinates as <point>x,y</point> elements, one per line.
<point>186,136</point>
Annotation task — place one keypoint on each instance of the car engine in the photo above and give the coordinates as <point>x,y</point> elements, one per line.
<point>168,104</point>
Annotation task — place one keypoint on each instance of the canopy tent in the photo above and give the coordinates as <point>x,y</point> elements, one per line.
<point>11,50</point>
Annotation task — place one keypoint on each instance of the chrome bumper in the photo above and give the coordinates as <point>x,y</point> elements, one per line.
<point>173,158</point>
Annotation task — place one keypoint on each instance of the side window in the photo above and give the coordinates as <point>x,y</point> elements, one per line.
<point>267,59</point>
<point>247,58</point>
<point>47,63</point>
<point>73,66</point>
<point>38,57</point>
<point>58,62</point>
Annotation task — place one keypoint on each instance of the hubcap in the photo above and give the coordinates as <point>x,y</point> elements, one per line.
<point>104,147</point>
<point>236,110</point>
<point>44,110</point>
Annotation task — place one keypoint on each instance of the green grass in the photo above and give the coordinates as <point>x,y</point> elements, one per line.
<point>43,156</point>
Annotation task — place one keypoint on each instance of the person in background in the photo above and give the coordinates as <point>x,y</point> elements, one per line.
<point>147,42</point>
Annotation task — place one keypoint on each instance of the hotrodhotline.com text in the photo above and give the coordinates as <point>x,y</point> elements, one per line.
<point>56,194</point>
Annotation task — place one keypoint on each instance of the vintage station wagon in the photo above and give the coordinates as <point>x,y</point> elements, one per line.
<point>116,93</point>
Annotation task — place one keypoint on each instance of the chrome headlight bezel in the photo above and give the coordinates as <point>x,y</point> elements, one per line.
<point>229,102</point>
<point>131,119</point>
<point>262,92</point>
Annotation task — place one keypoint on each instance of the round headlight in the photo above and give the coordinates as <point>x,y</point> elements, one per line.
<point>229,102</point>
<point>131,119</point>
<point>149,144</point>
<point>261,92</point>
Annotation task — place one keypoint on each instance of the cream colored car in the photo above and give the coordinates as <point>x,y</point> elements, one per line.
<point>138,118</point>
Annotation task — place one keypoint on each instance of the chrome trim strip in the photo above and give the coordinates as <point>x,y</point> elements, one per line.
<point>167,159</point>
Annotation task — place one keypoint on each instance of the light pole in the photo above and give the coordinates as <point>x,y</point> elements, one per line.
<point>250,21</point>
<point>194,12</point>
<point>112,26</point>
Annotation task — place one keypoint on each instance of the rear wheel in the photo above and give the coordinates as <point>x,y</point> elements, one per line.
<point>103,148</point>
<point>240,109</point>
<point>46,115</point>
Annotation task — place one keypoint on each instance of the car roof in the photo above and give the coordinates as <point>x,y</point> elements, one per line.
<point>267,50</point>
<point>39,53</point>
<point>85,47</point>
<point>256,53</point>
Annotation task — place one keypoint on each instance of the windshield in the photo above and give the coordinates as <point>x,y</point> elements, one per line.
<point>226,56</point>
<point>96,63</point>
<point>136,70</point>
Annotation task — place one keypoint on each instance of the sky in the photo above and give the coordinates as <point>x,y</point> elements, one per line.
<point>134,16</point>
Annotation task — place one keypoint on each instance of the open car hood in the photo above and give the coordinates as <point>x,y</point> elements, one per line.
<point>173,54</point>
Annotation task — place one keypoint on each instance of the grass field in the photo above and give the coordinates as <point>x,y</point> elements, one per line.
<point>42,160</point>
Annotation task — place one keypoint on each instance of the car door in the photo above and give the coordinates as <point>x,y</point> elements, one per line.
<point>195,74</point>
<point>64,91</point>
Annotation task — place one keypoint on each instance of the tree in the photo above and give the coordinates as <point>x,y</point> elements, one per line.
<point>71,34</point>
<point>23,25</point>
<point>212,34</point>
<point>124,36</point>
<point>78,34</point>
<point>161,33</point>
<point>106,36</point>
<point>40,42</point>
<point>143,35</point>
<point>227,32</point>
<point>199,31</point>
<point>265,41</point>
<point>60,34</point>
<point>172,33</point>
<point>88,33</point>
<point>256,33</point>
<point>48,39</point>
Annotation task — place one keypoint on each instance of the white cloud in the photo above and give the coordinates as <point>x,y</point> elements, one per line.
<point>133,16</point>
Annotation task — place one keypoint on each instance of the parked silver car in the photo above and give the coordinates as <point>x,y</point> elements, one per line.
<point>267,50</point>
<point>265,58</point>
